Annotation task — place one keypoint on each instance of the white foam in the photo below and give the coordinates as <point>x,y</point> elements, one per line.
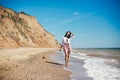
<point>114,61</point>
<point>97,67</point>
<point>98,70</point>
<point>66,68</point>
<point>79,55</point>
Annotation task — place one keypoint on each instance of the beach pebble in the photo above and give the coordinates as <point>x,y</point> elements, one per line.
<point>43,57</point>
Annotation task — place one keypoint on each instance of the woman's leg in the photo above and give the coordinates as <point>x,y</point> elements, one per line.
<point>67,54</point>
<point>66,57</point>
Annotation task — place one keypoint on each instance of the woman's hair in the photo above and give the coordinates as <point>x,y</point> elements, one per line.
<point>68,35</point>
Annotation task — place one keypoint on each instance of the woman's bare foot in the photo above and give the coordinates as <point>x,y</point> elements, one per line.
<point>66,64</point>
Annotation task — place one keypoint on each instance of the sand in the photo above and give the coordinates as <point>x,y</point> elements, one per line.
<point>30,64</point>
<point>78,72</point>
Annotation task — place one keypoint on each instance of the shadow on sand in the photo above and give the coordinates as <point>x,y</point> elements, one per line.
<point>54,63</point>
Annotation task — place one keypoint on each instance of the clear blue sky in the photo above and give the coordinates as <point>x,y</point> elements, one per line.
<point>96,23</point>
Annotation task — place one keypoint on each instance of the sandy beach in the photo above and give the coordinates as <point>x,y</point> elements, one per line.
<point>30,64</point>
<point>78,72</point>
<point>48,64</point>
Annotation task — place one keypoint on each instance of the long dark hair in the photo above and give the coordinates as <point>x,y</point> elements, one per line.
<point>68,35</point>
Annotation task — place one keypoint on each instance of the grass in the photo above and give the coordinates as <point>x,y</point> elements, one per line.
<point>12,32</point>
<point>0,33</point>
<point>2,16</point>
<point>14,19</point>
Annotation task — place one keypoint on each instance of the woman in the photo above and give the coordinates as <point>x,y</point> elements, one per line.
<point>66,46</point>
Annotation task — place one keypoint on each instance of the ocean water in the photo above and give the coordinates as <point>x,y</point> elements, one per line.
<point>100,63</point>
<point>75,66</point>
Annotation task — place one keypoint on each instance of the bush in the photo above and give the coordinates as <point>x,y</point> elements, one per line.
<point>12,32</point>
<point>14,19</point>
<point>2,16</point>
<point>9,15</point>
<point>24,13</point>
<point>20,20</point>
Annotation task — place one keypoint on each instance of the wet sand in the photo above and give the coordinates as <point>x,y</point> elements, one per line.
<point>30,64</point>
<point>78,72</point>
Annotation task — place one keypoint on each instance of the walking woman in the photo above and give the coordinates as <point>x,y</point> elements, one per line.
<point>66,46</point>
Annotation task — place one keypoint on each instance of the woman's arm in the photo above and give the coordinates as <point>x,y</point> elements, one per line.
<point>62,44</point>
<point>61,47</point>
<point>72,34</point>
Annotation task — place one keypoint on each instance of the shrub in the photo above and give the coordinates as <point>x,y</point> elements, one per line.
<point>14,19</point>
<point>20,20</point>
<point>9,15</point>
<point>12,32</point>
<point>24,13</point>
<point>26,37</point>
<point>2,16</point>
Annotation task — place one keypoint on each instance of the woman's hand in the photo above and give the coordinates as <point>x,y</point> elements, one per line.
<point>72,34</point>
<point>61,48</point>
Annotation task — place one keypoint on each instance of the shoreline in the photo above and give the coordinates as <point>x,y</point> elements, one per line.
<point>30,64</point>
<point>100,62</point>
<point>76,67</point>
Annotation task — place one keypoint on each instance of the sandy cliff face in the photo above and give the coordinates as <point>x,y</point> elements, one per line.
<point>22,30</point>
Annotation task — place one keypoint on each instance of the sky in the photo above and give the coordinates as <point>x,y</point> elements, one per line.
<point>95,23</point>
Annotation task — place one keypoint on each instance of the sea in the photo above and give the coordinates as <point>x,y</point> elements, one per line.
<point>100,63</point>
<point>93,63</point>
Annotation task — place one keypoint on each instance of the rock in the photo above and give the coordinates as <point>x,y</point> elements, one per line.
<point>43,57</point>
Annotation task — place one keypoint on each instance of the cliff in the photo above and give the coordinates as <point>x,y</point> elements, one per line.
<point>22,30</point>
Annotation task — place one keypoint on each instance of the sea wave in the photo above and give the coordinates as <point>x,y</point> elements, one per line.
<point>79,55</point>
<point>99,68</point>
